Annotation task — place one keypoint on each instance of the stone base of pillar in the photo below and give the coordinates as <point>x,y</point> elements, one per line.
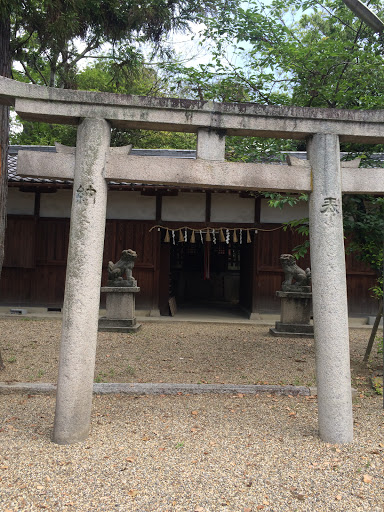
<point>112,325</point>
<point>252,315</point>
<point>120,306</point>
<point>291,331</point>
<point>295,315</point>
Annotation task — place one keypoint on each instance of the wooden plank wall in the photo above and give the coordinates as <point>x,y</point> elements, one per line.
<point>36,254</point>
<point>128,234</point>
<point>36,249</point>
<point>34,267</point>
<point>269,274</point>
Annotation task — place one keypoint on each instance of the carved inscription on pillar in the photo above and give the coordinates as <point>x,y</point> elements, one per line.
<point>83,195</point>
<point>330,206</point>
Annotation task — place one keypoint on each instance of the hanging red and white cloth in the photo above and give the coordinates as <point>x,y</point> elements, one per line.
<point>207,256</point>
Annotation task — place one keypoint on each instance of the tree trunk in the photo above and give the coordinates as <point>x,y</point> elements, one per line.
<point>5,70</point>
<point>374,332</point>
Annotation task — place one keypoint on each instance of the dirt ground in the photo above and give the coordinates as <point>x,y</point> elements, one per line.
<point>177,352</point>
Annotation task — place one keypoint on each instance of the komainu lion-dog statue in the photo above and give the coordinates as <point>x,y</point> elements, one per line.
<point>296,279</point>
<point>122,268</point>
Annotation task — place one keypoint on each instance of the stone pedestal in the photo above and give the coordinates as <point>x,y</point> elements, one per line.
<point>121,314</point>
<point>295,315</point>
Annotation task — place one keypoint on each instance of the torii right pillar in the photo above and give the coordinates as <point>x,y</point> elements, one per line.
<point>329,291</point>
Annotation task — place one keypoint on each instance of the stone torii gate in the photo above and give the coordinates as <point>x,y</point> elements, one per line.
<point>94,163</point>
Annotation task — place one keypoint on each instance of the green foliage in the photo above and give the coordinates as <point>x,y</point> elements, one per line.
<point>50,38</point>
<point>148,139</point>
<point>130,370</point>
<point>109,76</point>
<point>289,52</point>
<point>364,222</point>
<point>46,35</point>
<point>285,52</point>
<point>47,134</point>
<point>100,377</point>
<point>363,217</point>
<point>301,226</point>
<point>301,250</point>
<point>43,134</point>
<point>257,149</point>
<point>279,200</point>
<point>330,53</point>
<point>377,377</point>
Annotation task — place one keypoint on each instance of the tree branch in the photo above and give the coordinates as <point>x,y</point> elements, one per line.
<point>28,74</point>
<point>23,43</point>
<point>252,86</point>
<point>348,62</point>
<point>91,46</point>
<point>334,15</point>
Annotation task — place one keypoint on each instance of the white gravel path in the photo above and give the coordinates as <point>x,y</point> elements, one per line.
<point>191,454</point>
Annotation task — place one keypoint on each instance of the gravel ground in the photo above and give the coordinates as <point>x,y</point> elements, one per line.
<point>175,352</point>
<point>197,453</point>
<point>192,454</point>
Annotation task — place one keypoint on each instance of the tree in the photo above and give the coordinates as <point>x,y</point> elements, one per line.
<point>363,220</point>
<point>5,70</point>
<point>297,52</point>
<point>287,52</point>
<point>47,34</point>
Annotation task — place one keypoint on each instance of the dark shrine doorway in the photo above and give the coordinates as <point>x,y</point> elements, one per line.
<point>208,275</point>
<point>205,273</point>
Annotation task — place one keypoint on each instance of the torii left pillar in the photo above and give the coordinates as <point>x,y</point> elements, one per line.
<point>82,287</point>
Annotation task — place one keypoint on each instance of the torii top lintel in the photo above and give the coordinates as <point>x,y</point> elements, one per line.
<point>37,103</point>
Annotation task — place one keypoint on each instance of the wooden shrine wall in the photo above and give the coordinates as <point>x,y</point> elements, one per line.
<point>269,274</point>
<point>35,260</point>
<point>36,249</point>
<point>128,234</point>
